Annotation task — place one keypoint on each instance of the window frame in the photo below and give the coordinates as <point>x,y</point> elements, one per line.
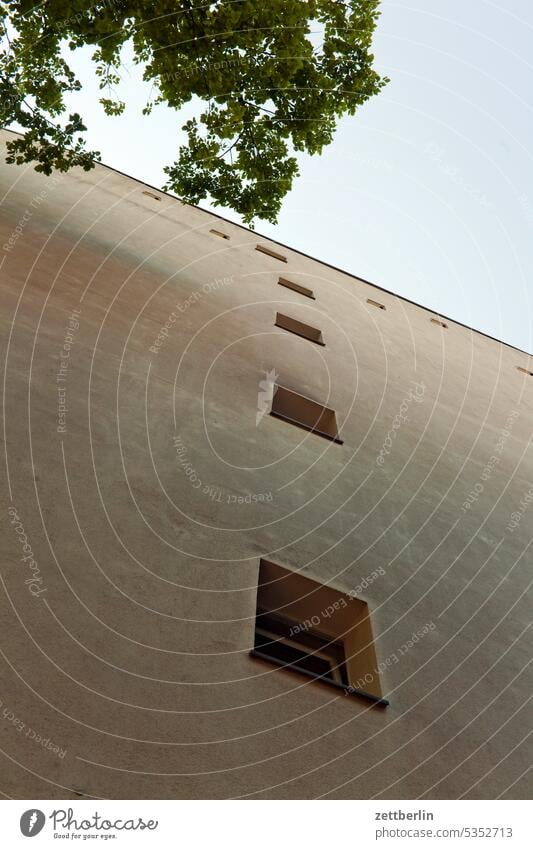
<point>310,643</point>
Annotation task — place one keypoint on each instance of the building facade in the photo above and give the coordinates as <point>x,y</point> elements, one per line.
<point>266,526</point>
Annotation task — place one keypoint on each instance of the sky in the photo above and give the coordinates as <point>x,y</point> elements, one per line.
<point>427,191</point>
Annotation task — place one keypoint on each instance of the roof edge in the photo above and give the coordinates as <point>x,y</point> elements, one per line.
<point>301,253</point>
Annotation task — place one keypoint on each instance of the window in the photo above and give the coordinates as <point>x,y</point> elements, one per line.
<point>219,234</point>
<point>269,252</point>
<point>525,370</point>
<point>439,322</point>
<point>307,652</point>
<point>299,328</point>
<point>151,195</point>
<point>315,630</point>
<point>305,413</point>
<point>376,304</point>
<point>302,290</point>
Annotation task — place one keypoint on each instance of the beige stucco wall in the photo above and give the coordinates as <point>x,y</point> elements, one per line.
<point>133,658</point>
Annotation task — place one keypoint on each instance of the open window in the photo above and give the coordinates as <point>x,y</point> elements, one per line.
<point>316,631</point>
<point>305,413</point>
<point>264,249</point>
<point>377,304</point>
<point>299,328</point>
<point>301,290</point>
<point>152,195</point>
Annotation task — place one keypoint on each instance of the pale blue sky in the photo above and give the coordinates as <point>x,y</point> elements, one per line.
<point>427,191</point>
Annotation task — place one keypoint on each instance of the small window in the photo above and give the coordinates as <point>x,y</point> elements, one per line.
<point>302,290</point>
<point>307,652</point>
<point>219,234</point>
<point>315,630</point>
<point>525,370</point>
<point>151,195</point>
<point>269,252</point>
<point>376,304</point>
<point>439,323</point>
<point>299,328</point>
<point>305,413</point>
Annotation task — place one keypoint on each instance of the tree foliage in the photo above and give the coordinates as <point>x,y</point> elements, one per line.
<point>269,78</point>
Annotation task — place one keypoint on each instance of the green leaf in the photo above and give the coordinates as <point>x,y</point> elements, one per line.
<point>265,87</point>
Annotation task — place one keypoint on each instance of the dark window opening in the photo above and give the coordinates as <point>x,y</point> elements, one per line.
<point>376,304</point>
<point>302,290</point>
<point>152,195</point>
<point>269,252</point>
<point>317,631</point>
<point>219,234</point>
<point>299,328</point>
<point>283,641</point>
<point>305,413</point>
